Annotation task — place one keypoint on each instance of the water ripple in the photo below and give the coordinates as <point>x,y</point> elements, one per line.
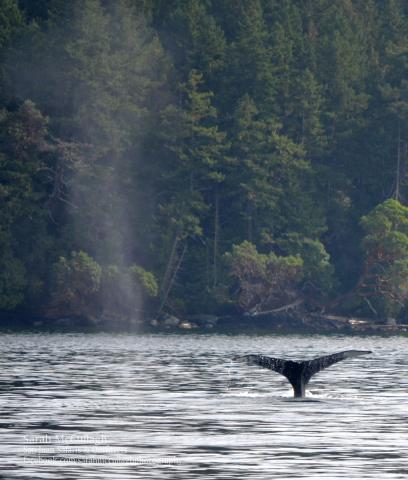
<point>175,406</point>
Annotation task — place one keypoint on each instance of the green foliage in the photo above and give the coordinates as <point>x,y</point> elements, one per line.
<point>25,242</point>
<point>271,176</point>
<point>197,37</point>
<point>146,280</point>
<point>318,272</point>
<point>169,133</point>
<point>385,269</point>
<point>196,149</point>
<point>11,20</point>
<point>96,70</point>
<point>12,281</point>
<point>76,280</point>
<point>82,287</point>
<point>264,281</point>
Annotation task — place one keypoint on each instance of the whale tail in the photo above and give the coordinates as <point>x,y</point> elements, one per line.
<point>299,373</point>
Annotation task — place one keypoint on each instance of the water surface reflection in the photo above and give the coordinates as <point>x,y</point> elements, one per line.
<point>167,406</point>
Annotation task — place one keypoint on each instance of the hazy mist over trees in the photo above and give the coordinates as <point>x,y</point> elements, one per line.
<point>203,156</point>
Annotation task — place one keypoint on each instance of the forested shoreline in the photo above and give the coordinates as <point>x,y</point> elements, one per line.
<point>215,157</point>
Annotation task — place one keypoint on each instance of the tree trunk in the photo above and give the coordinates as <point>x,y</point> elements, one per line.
<point>216,234</point>
<point>167,273</point>
<point>397,176</point>
<point>172,273</point>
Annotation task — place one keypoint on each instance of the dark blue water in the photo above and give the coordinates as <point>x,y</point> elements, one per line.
<point>80,406</point>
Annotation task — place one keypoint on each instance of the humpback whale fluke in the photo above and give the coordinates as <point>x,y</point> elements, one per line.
<point>299,373</point>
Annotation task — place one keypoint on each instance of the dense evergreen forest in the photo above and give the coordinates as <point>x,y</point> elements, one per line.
<point>203,156</point>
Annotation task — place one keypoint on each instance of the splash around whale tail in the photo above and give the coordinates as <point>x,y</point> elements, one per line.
<point>299,373</point>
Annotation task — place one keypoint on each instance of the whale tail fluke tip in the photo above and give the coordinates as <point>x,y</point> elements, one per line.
<point>299,373</point>
<point>356,353</point>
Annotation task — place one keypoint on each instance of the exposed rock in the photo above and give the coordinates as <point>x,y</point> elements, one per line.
<point>204,318</point>
<point>171,321</point>
<point>65,322</point>
<point>186,325</point>
<point>206,321</point>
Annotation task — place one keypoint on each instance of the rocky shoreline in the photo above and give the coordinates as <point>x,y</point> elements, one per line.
<point>282,323</point>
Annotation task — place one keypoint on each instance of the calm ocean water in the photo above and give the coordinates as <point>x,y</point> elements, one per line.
<point>84,406</point>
